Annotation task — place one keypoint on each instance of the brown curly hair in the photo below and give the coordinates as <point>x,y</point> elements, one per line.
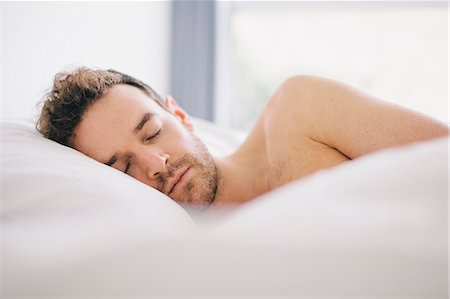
<point>73,93</point>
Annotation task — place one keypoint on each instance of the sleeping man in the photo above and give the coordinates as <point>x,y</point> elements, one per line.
<point>310,123</point>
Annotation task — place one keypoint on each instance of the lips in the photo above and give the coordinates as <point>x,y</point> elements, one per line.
<point>176,179</point>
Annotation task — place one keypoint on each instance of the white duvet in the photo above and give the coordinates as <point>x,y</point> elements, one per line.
<point>72,227</point>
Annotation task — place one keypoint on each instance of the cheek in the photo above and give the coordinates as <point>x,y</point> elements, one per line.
<point>179,138</point>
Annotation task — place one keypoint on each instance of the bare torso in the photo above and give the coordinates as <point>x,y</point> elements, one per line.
<point>311,124</point>
<point>288,154</point>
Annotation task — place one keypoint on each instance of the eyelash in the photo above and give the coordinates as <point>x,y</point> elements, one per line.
<point>153,136</point>
<point>127,167</point>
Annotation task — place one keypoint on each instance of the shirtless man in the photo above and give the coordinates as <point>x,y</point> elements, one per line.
<point>310,123</point>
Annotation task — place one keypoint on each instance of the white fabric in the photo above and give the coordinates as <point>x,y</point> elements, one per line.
<point>220,141</point>
<point>373,227</point>
<point>49,189</point>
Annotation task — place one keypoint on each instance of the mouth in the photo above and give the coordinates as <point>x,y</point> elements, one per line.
<point>177,179</point>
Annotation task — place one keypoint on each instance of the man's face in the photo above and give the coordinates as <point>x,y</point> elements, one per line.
<point>132,133</point>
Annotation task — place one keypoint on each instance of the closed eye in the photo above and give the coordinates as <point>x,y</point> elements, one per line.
<point>154,135</point>
<point>127,167</point>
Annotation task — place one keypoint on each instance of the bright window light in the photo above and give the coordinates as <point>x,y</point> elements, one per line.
<point>396,52</point>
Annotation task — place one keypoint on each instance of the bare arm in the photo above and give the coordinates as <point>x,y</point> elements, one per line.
<point>344,118</point>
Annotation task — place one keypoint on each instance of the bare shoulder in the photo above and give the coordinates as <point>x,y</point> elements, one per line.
<point>287,108</point>
<point>292,150</point>
<point>346,119</point>
<point>311,123</point>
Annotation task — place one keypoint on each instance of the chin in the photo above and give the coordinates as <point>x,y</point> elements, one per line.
<point>200,190</point>
<point>200,194</point>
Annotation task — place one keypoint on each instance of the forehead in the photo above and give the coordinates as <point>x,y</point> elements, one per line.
<point>120,99</point>
<point>110,117</point>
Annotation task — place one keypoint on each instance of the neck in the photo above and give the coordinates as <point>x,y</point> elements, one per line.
<point>240,179</point>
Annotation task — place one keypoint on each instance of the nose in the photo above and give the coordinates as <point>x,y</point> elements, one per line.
<point>154,164</point>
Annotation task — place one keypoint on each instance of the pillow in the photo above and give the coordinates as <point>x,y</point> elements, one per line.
<point>220,141</point>
<point>55,200</point>
<point>48,187</point>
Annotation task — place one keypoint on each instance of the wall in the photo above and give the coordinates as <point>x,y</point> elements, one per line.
<point>41,38</point>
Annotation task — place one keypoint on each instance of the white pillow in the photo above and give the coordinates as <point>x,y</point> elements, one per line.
<point>57,202</point>
<point>220,141</point>
<point>45,179</point>
<point>48,187</point>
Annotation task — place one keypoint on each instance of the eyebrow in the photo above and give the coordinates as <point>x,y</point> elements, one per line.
<point>144,120</point>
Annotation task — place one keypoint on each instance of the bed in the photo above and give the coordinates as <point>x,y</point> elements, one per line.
<point>373,227</point>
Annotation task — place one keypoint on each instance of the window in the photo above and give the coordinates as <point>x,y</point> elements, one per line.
<point>396,51</point>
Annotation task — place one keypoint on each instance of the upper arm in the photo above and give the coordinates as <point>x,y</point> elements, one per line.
<point>348,120</point>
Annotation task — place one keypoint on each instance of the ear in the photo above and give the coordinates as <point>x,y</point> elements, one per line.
<point>179,113</point>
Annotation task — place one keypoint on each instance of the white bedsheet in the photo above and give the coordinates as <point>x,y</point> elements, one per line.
<point>373,227</point>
